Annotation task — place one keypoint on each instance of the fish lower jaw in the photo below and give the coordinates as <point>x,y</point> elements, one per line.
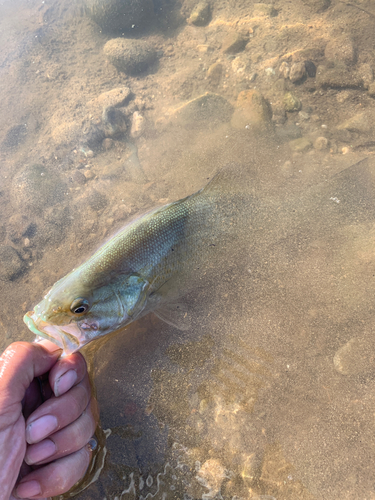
<point>68,337</point>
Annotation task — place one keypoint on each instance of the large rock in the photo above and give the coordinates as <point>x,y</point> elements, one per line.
<point>120,15</point>
<point>116,97</point>
<point>11,263</point>
<point>128,55</point>
<point>34,188</point>
<point>234,42</point>
<point>340,49</point>
<point>252,111</point>
<point>361,123</point>
<point>339,77</point>
<point>317,5</point>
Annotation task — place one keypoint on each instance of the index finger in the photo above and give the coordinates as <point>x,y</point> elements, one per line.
<point>66,373</point>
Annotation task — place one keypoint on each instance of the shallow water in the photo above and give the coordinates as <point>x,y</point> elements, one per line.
<point>269,394</point>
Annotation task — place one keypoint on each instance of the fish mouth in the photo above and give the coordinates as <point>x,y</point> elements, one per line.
<point>68,337</point>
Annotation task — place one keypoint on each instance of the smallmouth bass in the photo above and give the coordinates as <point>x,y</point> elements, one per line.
<point>143,268</point>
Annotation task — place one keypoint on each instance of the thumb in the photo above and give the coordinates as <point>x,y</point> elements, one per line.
<point>20,363</point>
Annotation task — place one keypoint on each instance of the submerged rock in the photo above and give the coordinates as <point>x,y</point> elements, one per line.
<point>361,123</point>
<point>297,72</point>
<point>120,15</point>
<point>11,263</point>
<point>115,97</point>
<point>340,49</point>
<point>340,76</point>
<point>128,55</point>
<point>96,200</point>
<point>138,124</point>
<point>201,14</point>
<point>234,42</point>
<point>288,132</point>
<point>310,68</point>
<point>34,188</point>
<point>113,122</point>
<point>318,5</point>
<point>300,145</point>
<point>50,235</point>
<point>291,102</point>
<point>214,73</point>
<point>264,9</point>
<point>321,143</point>
<point>252,111</point>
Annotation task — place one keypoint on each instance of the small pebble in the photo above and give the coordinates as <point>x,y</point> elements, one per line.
<point>297,72</point>
<point>284,69</point>
<point>26,242</point>
<point>300,145</point>
<point>78,177</point>
<point>214,73</point>
<point>310,69</point>
<point>200,15</point>
<point>138,125</point>
<point>321,143</point>
<point>291,102</point>
<point>264,9</point>
<point>270,71</point>
<point>88,174</point>
<point>345,150</point>
<point>107,143</point>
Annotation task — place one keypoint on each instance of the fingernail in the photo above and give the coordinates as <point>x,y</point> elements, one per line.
<point>28,489</point>
<point>65,382</point>
<point>40,428</point>
<point>40,451</point>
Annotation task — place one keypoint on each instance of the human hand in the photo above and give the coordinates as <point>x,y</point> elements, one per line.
<point>43,437</point>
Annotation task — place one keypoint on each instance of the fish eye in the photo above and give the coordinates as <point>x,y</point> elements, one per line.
<point>79,306</point>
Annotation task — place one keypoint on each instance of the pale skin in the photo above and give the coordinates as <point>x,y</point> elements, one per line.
<point>45,458</point>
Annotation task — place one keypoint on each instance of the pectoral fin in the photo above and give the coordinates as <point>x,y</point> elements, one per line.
<point>131,293</point>
<point>175,314</point>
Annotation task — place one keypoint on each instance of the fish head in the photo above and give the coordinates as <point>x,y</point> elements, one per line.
<point>72,313</point>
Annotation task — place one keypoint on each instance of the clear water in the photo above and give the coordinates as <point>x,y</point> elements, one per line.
<point>270,393</point>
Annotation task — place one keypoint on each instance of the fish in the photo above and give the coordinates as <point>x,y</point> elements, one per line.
<point>156,260</point>
<point>145,267</point>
